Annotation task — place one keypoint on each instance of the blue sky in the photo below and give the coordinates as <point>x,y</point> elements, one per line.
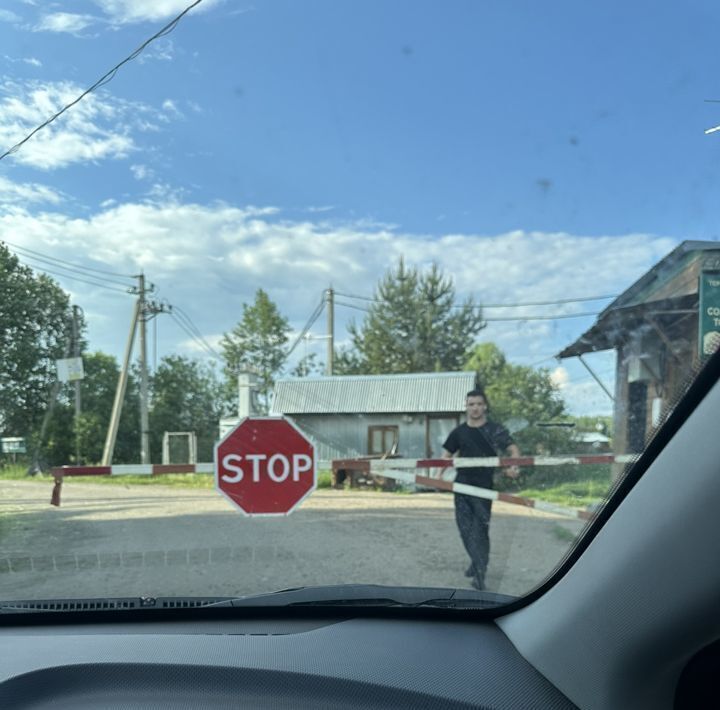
<point>536,151</point>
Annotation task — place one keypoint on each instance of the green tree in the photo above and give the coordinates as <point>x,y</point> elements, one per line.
<point>186,396</point>
<point>308,365</point>
<point>413,325</point>
<point>257,344</point>
<point>35,330</point>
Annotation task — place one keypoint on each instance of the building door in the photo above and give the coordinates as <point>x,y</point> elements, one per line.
<point>437,430</point>
<point>637,416</point>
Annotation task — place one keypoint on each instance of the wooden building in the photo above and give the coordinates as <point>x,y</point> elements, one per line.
<point>655,327</point>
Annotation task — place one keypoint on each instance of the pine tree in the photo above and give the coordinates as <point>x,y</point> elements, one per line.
<point>413,325</point>
<point>257,344</point>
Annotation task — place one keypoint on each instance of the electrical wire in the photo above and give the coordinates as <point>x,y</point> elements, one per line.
<point>499,305</point>
<point>64,269</point>
<point>62,261</point>
<point>350,305</point>
<point>498,320</point>
<point>310,322</point>
<point>189,322</point>
<point>208,350</point>
<point>552,317</point>
<point>109,76</point>
<point>75,278</point>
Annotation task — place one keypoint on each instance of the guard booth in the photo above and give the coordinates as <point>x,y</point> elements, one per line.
<point>662,328</point>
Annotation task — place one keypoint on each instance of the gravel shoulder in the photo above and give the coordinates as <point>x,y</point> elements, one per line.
<point>129,540</point>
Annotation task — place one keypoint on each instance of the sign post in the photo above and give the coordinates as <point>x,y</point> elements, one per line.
<point>709,315</point>
<point>265,466</point>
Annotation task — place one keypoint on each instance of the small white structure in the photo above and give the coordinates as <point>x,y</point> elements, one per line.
<point>247,402</point>
<point>191,438</point>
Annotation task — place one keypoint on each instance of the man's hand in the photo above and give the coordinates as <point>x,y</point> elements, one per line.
<point>512,471</point>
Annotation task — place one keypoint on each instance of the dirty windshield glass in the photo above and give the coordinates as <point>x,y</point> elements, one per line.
<point>306,294</point>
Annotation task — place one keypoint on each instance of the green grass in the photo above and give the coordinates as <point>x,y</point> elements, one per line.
<point>574,494</point>
<point>178,480</point>
<point>573,486</point>
<point>11,473</point>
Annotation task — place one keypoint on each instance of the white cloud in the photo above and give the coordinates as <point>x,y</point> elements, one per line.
<point>162,49</point>
<point>99,127</point>
<point>559,377</point>
<point>586,396</point>
<point>14,194</point>
<point>211,258</point>
<point>141,172</point>
<point>9,16</point>
<point>64,22</point>
<point>32,61</point>
<point>130,11</point>
<point>169,106</point>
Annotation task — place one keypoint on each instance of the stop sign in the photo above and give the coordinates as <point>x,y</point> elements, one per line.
<point>265,466</point>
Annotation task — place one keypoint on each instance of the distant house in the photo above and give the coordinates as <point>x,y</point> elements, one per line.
<point>591,442</point>
<point>360,415</point>
<point>660,327</point>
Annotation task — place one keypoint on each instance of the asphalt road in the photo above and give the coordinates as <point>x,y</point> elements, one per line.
<point>124,540</point>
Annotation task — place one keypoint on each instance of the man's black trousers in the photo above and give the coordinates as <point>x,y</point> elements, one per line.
<point>472,516</point>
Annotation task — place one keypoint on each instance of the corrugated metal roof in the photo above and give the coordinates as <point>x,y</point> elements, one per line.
<point>367,394</point>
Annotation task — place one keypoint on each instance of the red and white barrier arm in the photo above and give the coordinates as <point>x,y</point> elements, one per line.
<point>378,465</point>
<point>487,493</point>
<point>60,472</point>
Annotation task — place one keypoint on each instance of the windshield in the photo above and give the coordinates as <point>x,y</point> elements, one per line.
<point>325,294</point>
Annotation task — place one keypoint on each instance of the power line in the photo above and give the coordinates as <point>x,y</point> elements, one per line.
<point>350,305</point>
<point>552,317</point>
<point>75,278</point>
<point>105,78</point>
<point>68,263</point>
<point>310,322</point>
<point>499,320</point>
<point>208,350</point>
<point>500,305</point>
<point>72,269</point>
<point>195,329</point>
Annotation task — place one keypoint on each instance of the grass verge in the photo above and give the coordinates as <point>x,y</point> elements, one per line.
<point>177,480</point>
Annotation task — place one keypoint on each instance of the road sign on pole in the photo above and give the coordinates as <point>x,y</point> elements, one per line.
<point>265,466</point>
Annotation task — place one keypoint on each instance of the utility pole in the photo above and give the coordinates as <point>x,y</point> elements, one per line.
<point>120,391</point>
<point>144,310</point>
<point>330,300</point>
<point>78,393</point>
<point>144,426</point>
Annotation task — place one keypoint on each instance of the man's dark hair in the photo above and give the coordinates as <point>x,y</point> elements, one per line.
<point>477,392</point>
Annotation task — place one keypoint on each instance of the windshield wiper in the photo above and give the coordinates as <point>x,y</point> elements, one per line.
<point>365,595</point>
<point>339,595</point>
<point>25,606</point>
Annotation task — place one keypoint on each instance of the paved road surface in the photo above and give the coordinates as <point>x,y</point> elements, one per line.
<point>124,540</point>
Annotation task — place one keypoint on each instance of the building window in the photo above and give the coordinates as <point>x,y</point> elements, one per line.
<point>382,439</point>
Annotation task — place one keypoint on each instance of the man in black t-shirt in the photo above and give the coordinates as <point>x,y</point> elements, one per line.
<point>477,437</point>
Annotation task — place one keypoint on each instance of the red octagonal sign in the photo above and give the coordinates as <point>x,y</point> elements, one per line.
<point>265,466</point>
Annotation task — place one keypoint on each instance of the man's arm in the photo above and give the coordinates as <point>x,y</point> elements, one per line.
<point>512,471</point>
<point>438,472</point>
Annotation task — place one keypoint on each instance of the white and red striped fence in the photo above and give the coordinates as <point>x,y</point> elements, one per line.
<point>60,472</point>
<point>402,470</point>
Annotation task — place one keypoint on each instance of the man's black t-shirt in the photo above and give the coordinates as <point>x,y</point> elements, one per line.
<point>490,439</point>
